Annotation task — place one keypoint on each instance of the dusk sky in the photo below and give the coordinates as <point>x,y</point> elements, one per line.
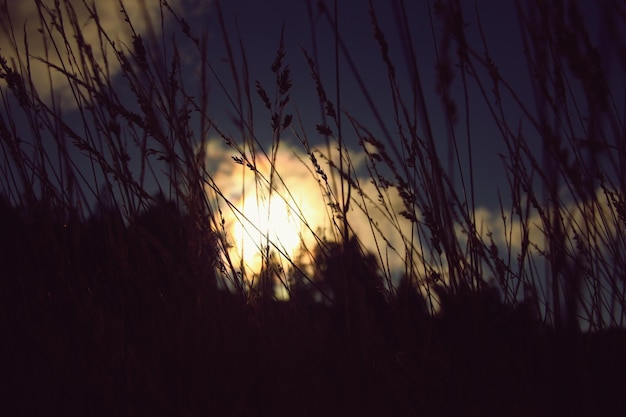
<point>260,24</point>
<point>306,27</point>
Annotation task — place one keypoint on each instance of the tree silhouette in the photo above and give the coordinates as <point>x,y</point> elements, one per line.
<point>358,297</point>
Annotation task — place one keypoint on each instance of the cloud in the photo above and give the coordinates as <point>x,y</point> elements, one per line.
<point>294,211</point>
<point>299,206</point>
<point>52,34</point>
<point>584,218</point>
<point>301,210</point>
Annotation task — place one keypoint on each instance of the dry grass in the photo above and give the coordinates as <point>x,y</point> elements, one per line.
<point>119,294</point>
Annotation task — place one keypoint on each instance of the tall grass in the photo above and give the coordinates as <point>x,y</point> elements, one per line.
<point>120,289</point>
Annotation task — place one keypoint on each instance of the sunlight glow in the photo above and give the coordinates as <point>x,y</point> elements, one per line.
<point>293,216</point>
<point>266,221</point>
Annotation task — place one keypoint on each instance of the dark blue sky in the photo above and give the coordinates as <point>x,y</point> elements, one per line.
<point>259,25</point>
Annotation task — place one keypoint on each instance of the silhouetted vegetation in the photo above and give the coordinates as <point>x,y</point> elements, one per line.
<point>104,320</point>
<point>116,299</point>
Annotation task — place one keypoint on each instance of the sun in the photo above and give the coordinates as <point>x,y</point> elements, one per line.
<point>266,221</point>
<point>290,216</point>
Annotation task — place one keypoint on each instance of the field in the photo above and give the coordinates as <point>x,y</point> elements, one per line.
<point>144,268</point>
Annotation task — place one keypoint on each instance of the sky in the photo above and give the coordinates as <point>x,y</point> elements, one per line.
<point>260,25</point>
<point>257,27</point>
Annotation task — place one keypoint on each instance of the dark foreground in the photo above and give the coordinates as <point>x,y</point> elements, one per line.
<point>103,319</point>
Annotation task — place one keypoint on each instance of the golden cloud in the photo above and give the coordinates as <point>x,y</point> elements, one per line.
<point>38,36</point>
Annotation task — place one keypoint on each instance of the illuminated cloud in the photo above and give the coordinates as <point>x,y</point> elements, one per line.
<point>41,30</point>
<point>590,225</point>
<point>294,212</point>
<point>298,211</point>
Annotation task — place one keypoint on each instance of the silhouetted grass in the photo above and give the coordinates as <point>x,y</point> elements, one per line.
<point>119,294</point>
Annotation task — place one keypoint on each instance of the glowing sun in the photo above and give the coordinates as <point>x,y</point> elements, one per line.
<point>294,215</point>
<point>266,222</point>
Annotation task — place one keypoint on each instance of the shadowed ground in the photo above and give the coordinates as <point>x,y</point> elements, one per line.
<point>103,318</point>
